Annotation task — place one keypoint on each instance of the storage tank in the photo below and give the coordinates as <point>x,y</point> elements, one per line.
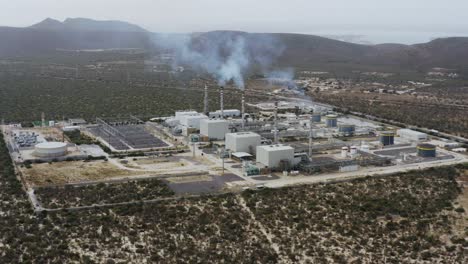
<point>332,121</point>
<point>50,149</point>
<point>365,148</point>
<point>347,129</point>
<point>426,150</point>
<point>344,152</point>
<point>387,138</point>
<point>316,118</point>
<point>353,150</point>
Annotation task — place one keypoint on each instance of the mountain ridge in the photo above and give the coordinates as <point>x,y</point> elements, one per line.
<point>300,50</point>
<point>86,24</point>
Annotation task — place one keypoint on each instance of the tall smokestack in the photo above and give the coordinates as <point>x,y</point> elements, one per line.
<point>310,138</point>
<point>205,102</point>
<point>221,99</point>
<point>243,109</point>
<point>276,122</point>
<point>43,119</point>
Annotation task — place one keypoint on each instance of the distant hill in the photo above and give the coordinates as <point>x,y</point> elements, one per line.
<point>298,50</point>
<point>86,24</point>
<point>306,51</point>
<point>71,34</point>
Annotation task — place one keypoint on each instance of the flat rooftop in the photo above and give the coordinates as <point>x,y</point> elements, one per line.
<point>214,121</point>
<point>243,134</point>
<point>276,147</point>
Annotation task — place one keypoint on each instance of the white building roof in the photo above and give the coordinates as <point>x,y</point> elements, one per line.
<point>241,155</point>
<point>243,134</point>
<point>227,111</point>
<point>276,147</point>
<point>411,132</point>
<point>213,121</point>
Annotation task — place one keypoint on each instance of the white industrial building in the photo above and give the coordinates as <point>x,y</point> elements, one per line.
<point>179,114</point>
<point>192,120</point>
<point>214,129</point>
<point>70,128</point>
<point>50,149</point>
<point>272,155</point>
<point>226,113</point>
<point>243,142</point>
<point>411,134</point>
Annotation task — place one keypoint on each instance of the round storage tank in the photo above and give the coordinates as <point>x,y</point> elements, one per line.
<point>387,138</point>
<point>332,121</point>
<point>426,150</point>
<point>347,129</point>
<point>344,152</point>
<point>50,149</point>
<point>316,118</point>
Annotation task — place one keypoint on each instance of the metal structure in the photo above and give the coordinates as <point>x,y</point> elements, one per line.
<point>50,149</point>
<point>126,134</point>
<point>426,150</point>
<point>221,101</point>
<point>330,164</point>
<point>331,121</point>
<point>311,135</point>
<point>43,124</point>
<point>205,101</point>
<point>243,109</point>
<point>275,127</point>
<point>347,129</point>
<point>316,118</point>
<point>387,138</point>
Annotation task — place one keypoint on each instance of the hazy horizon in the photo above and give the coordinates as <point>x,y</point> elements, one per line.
<point>418,20</point>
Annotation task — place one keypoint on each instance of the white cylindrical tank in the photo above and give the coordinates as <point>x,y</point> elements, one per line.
<point>344,152</point>
<point>365,148</point>
<point>353,150</point>
<point>50,149</point>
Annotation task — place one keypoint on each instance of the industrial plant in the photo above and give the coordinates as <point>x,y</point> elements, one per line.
<point>273,143</point>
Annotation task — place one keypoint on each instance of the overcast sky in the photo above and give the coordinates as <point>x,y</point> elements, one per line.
<point>305,16</point>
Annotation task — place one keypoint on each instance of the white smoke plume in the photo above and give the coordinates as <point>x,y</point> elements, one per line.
<point>225,55</point>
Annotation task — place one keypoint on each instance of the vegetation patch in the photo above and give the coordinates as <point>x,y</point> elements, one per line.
<point>75,196</point>
<point>395,219</point>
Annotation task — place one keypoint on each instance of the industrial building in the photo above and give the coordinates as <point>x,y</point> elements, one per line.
<point>243,142</point>
<point>214,129</point>
<point>192,120</point>
<point>316,118</point>
<point>347,129</point>
<point>412,135</point>
<point>50,149</point>
<point>70,128</point>
<point>273,155</point>
<point>179,114</point>
<point>77,121</point>
<point>226,113</point>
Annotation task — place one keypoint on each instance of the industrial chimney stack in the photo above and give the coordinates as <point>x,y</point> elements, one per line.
<point>243,109</point>
<point>221,94</point>
<point>276,122</point>
<point>43,119</point>
<point>205,102</point>
<point>310,137</point>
